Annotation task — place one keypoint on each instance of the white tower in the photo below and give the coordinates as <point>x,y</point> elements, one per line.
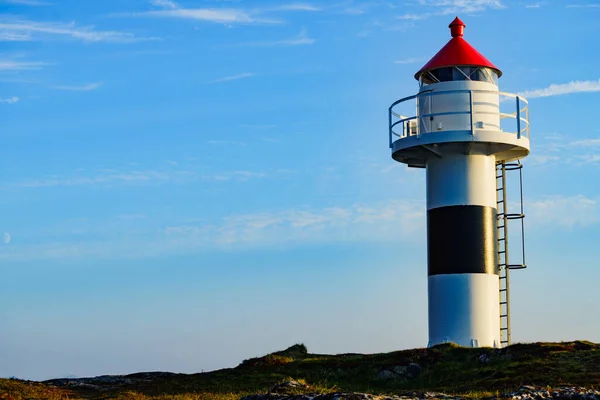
<point>460,136</point>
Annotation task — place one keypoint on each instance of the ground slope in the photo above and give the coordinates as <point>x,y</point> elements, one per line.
<point>446,368</point>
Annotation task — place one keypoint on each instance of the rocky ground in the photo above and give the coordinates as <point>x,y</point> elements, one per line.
<point>278,392</point>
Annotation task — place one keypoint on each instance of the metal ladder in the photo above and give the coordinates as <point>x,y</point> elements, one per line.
<point>504,265</point>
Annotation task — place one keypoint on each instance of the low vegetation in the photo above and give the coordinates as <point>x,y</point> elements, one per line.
<point>446,368</point>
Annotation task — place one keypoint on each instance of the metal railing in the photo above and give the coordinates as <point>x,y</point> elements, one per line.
<point>411,126</point>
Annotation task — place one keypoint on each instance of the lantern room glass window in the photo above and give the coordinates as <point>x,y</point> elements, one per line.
<point>447,74</point>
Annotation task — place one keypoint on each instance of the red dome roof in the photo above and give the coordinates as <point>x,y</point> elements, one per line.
<point>457,52</point>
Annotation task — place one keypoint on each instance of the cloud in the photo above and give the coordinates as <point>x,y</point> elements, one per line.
<point>10,100</point>
<point>16,65</point>
<point>111,177</point>
<point>107,177</point>
<point>227,142</point>
<point>27,2</point>
<point>22,30</point>
<point>295,7</point>
<point>462,6</point>
<point>410,60</point>
<point>256,126</point>
<point>164,3</point>
<point>392,221</point>
<point>534,5</point>
<point>414,17</point>
<point>216,15</point>
<point>563,88</point>
<point>299,40</point>
<point>447,7</point>
<point>228,16</point>
<point>587,143</point>
<point>563,211</point>
<point>554,149</point>
<point>6,237</point>
<point>593,5</point>
<point>82,88</point>
<point>233,77</point>
<point>382,222</point>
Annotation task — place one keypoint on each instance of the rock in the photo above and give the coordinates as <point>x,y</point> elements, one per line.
<point>484,359</point>
<point>526,388</point>
<point>413,370</point>
<point>288,386</point>
<point>386,374</point>
<point>400,370</point>
<point>409,371</point>
<point>524,393</point>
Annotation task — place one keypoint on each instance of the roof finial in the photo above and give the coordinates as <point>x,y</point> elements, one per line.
<point>457,27</point>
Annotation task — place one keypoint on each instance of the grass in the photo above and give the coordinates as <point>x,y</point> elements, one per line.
<point>446,368</point>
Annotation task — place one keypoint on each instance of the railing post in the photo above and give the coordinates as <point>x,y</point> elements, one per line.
<point>518,119</point>
<point>471,111</point>
<point>390,126</point>
<point>418,119</point>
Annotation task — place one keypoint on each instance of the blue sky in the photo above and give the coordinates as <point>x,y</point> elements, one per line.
<point>188,184</point>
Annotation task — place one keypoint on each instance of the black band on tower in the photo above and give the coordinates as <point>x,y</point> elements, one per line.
<point>462,240</point>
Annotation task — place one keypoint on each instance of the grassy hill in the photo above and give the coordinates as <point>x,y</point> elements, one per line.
<point>446,368</point>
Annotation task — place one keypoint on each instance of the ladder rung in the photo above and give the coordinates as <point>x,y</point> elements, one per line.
<point>503,303</point>
<point>501,252</point>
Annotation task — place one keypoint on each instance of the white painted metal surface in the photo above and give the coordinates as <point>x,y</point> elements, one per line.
<point>486,106</point>
<point>458,180</point>
<point>463,308</point>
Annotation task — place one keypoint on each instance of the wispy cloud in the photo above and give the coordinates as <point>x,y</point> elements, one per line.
<point>446,7</point>
<point>294,7</point>
<point>410,60</point>
<point>592,5</point>
<point>462,6</point>
<point>257,126</point>
<point>217,15</point>
<point>10,100</point>
<point>233,77</point>
<point>26,2</point>
<point>351,223</point>
<point>387,222</point>
<point>586,143</point>
<point>108,177</point>
<point>563,88</point>
<point>534,5</point>
<point>556,150</point>
<point>16,65</point>
<point>227,16</point>
<point>299,40</point>
<point>164,3</point>
<point>23,30</point>
<point>564,211</point>
<point>414,17</point>
<point>226,142</point>
<point>81,88</point>
<point>112,177</point>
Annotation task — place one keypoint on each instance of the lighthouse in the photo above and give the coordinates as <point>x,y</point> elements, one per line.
<point>466,134</point>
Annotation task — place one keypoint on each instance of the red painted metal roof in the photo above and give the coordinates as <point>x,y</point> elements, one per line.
<point>457,52</point>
